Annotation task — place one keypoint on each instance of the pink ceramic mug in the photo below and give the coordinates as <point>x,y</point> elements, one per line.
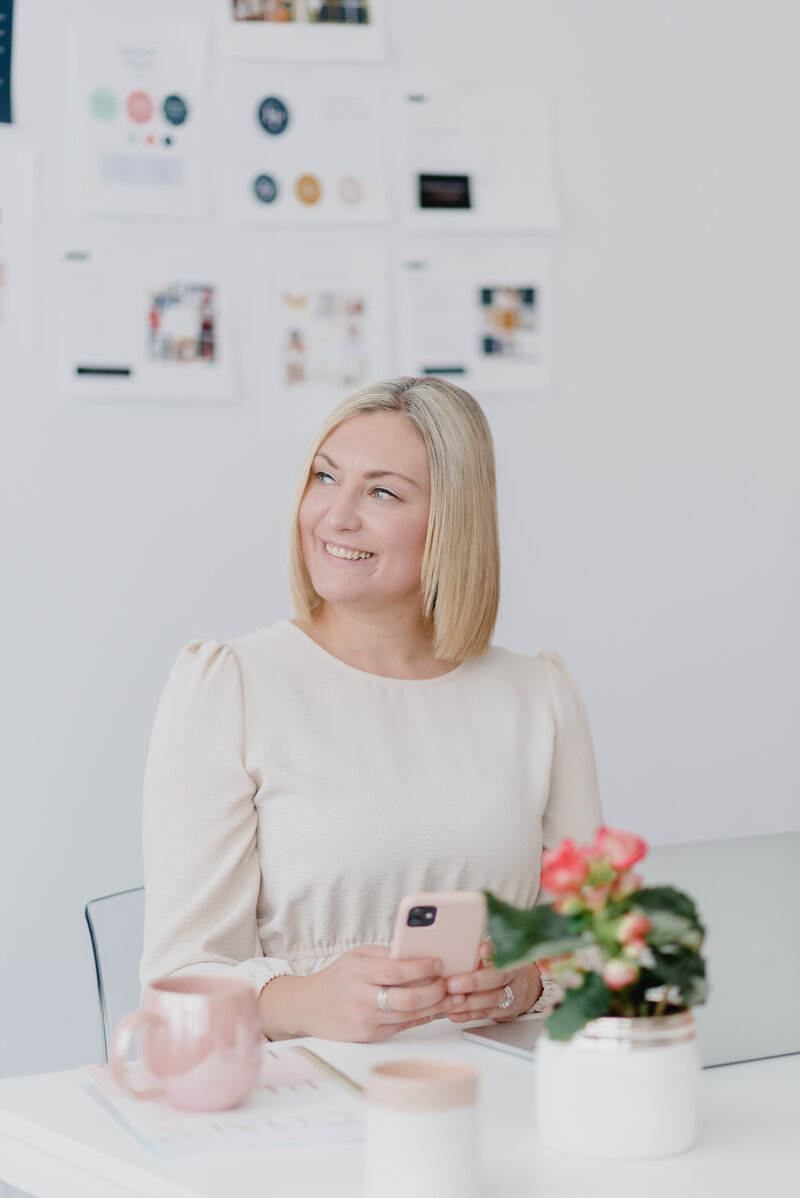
<point>199,1037</point>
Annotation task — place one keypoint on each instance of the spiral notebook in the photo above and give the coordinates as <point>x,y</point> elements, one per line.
<point>301,1099</point>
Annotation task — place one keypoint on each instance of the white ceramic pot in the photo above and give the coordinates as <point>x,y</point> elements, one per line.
<point>421,1132</point>
<point>624,1089</point>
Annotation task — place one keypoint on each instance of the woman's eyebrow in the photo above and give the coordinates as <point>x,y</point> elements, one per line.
<point>370,474</point>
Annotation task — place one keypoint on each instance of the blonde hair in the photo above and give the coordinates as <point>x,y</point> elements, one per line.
<point>460,580</point>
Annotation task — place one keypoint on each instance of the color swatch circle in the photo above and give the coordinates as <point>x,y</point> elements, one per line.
<point>103,104</point>
<point>176,110</point>
<point>273,115</point>
<point>265,188</point>
<point>139,107</point>
<point>350,190</point>
<point>308,189</point>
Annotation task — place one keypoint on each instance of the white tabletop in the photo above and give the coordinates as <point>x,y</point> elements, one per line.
<point>56,1142</point>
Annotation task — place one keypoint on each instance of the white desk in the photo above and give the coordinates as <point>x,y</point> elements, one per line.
<point>56,1142</point>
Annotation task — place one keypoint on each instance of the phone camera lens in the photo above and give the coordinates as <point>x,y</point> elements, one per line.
<point>421,917</point>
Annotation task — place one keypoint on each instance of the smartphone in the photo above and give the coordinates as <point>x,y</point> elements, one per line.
<point>447,925</point>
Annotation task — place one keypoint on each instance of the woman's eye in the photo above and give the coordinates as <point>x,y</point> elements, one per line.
<point>383,491</point>
<point>322,476</point>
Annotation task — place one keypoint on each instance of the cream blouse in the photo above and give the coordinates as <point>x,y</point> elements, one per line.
<point>291,800</point>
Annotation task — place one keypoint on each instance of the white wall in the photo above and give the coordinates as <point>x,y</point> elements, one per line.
<point>648,504</point>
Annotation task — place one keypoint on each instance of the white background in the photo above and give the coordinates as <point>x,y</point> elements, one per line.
<point>648,504</point>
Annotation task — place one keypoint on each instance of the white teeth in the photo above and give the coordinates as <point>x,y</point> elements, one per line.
<point>349,554</point>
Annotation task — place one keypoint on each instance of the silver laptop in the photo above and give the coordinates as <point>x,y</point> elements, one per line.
<point>747,892</point>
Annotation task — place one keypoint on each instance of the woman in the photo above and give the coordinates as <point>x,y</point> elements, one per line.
<point>303,778</point>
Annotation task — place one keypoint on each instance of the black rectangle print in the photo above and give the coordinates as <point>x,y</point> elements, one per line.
<point>444,191</point>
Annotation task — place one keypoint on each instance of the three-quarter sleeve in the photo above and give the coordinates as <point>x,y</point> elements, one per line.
<point>202,872</point>
<point>573,806</point>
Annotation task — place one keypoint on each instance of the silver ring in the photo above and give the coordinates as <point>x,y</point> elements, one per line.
<point>382,1002</point>
<point>507,1001</point>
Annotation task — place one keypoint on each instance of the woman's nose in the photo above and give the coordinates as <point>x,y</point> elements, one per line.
<point>344,512</point>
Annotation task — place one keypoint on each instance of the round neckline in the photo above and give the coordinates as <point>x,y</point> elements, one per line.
<point>337,661</point>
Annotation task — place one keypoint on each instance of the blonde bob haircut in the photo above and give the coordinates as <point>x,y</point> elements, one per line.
<point>460,582</point>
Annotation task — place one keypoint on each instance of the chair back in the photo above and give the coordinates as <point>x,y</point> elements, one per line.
<point>116,927</point>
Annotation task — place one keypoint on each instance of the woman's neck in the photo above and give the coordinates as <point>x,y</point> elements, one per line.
<point>397,646</point>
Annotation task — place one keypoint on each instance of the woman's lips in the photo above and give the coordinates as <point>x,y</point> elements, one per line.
<point>346,553</point>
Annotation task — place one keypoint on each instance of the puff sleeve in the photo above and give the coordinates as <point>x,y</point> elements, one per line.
<point>573,806</point>
<point>202,872</point>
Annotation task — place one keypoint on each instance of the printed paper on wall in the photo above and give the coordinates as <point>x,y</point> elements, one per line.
<point>324,321</point>
<point>304,145</point>
<point>139,118</point>
<point>145,324</point>
<point>298,29</point>
<point>476,313</point>
<point>6,42</point>
<point>477,159</point>
<point>17,174</point>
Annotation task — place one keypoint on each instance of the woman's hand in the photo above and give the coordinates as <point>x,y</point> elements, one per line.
<point>478,995</point>
<point>341,1001</point>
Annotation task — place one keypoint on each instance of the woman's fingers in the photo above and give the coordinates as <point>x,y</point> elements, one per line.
<point>410,999</point>
<point>382,970</point>
<point>485,951</point>
<point>493,1003</point>
<point>479,1001</point>
<point>479,980</point>
<point>471,1016</point>
<point>405,973</point>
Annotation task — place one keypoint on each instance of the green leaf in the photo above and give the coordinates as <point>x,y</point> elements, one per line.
<point>669,928</point>
<point>666,898</point>
<point>523,935</point>
<point>694,991</point>
<point>684,969</point>
<point>589,1001</point>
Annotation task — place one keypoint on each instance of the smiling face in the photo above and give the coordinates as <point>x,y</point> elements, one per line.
<point>364,515</point>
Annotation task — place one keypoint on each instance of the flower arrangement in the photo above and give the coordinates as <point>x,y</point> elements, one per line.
<point>614,947</point>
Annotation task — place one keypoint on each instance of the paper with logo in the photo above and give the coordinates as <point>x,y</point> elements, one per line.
<point>306,145</point>
<point>17,210</point>
<point>138,324</point>
<point>477,158</point>
<point>300,1099</point>
<point>296,29</point>
<point>139,118</point>
<point>476,312</point>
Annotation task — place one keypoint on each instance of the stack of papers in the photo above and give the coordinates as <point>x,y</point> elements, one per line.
<point>301,1099</point>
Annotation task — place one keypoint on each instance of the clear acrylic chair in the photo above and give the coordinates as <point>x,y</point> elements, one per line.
<point>116,926</point>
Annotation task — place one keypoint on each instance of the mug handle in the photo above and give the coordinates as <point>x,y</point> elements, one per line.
<point>124,1032</point>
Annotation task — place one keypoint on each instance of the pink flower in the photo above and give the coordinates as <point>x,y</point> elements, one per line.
<point>590,958</point>
<point>596,897</point>
<point>633,949</point>
<point>618,973</point>
<point>590,853</point>
<point>627,883</point>
<point>633,926</point>
<point>563,869</point>
<point>564,969</point>
<point>570,979</point>
<point>554,963</point>
<point>623,849</point>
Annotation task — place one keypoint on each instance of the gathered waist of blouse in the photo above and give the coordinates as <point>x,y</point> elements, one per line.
<point>310,959</point>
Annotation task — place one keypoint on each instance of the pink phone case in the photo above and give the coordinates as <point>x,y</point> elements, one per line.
<point>454,935</point>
